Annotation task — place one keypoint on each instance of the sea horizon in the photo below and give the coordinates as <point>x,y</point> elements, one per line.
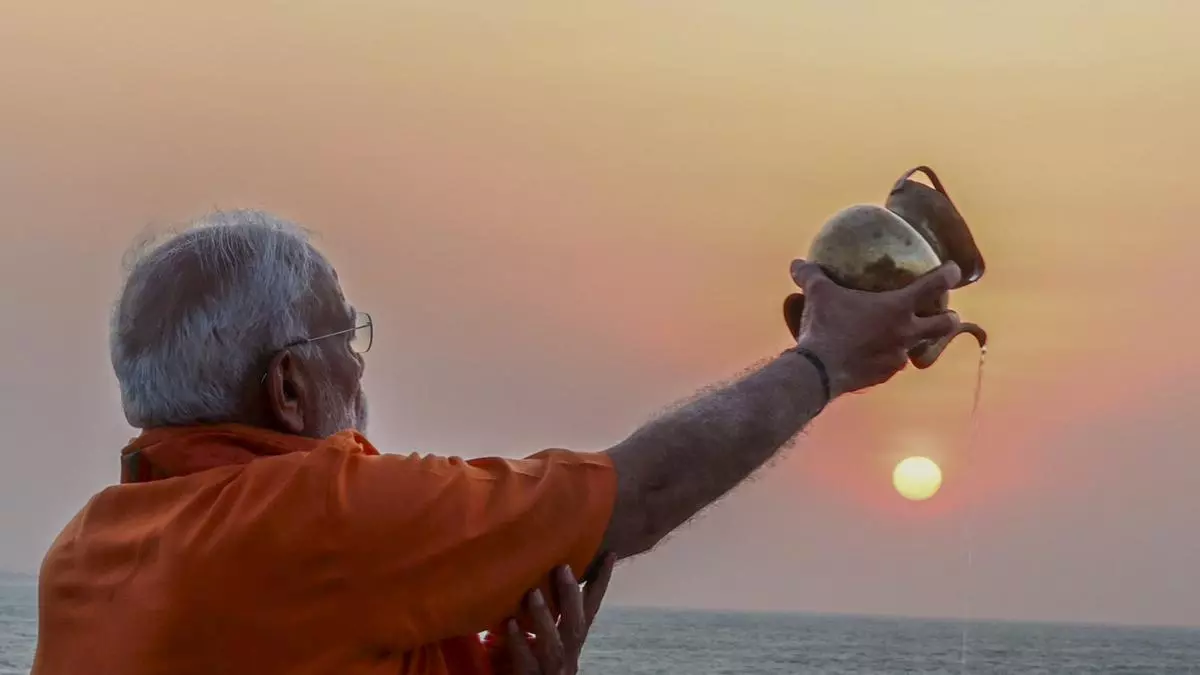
<point>883,616</point>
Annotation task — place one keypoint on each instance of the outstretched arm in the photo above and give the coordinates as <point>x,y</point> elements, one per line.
<point>464,540</point>
<point>673,467</point>
<point>676,465</point>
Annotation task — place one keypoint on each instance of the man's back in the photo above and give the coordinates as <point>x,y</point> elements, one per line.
<point>147,573</point>
<point>260,568</point>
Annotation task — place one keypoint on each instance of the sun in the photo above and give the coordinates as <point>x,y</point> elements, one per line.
<point>917,478</point>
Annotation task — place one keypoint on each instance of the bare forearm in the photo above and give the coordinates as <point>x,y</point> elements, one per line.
<point>673,467</point>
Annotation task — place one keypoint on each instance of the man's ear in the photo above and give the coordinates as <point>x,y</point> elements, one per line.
<point>288,392</point>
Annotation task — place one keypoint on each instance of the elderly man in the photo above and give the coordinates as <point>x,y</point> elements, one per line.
<point>256,530</point>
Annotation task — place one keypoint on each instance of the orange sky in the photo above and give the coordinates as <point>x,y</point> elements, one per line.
<point>565,218</point>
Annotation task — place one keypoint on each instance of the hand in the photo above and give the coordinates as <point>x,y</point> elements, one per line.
<point>863,337</point>
<point>555,648</point>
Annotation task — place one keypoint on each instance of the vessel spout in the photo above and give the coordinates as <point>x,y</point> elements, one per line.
<point>926,354</point>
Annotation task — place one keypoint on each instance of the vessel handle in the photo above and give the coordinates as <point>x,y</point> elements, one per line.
<point>929,173</point>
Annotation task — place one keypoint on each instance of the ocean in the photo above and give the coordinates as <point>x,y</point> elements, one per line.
<point>658,642</point>
<point>18,626</point>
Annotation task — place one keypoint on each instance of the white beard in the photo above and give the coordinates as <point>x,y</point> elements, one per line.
<point>341,415</point>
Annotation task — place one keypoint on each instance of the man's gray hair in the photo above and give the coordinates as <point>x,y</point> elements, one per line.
<point>202,312</point>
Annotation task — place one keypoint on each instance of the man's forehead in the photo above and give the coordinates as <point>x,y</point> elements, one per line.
<point>337,282</point>
<point>330,300</point>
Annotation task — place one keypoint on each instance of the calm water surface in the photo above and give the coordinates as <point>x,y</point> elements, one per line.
<point>650,642</point>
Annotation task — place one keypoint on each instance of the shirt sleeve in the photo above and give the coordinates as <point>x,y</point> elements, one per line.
<point>440,547</point>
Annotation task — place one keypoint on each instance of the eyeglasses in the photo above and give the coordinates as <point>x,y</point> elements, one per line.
<point>360,342</point>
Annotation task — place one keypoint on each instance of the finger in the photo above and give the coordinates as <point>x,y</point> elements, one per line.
<point>808,275</point>
<point>593,593</point>
<point>570,602</point>
<point>933,327</point>
<point>548,648</point>
<point>519,653</point>
<point>930,287</point>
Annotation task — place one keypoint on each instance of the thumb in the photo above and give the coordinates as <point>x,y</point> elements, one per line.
<point>929,287</point>
<point>805,273</point>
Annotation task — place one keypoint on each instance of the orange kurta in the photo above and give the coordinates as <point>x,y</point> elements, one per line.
<point>310,557</point>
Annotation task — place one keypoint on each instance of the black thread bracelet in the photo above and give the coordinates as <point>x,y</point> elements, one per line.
<point>821,372</point>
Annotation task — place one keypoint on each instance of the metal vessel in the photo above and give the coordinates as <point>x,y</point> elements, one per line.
<point>884,248</point>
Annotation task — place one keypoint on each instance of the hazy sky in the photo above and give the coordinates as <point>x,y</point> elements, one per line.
<point>564,218</point>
